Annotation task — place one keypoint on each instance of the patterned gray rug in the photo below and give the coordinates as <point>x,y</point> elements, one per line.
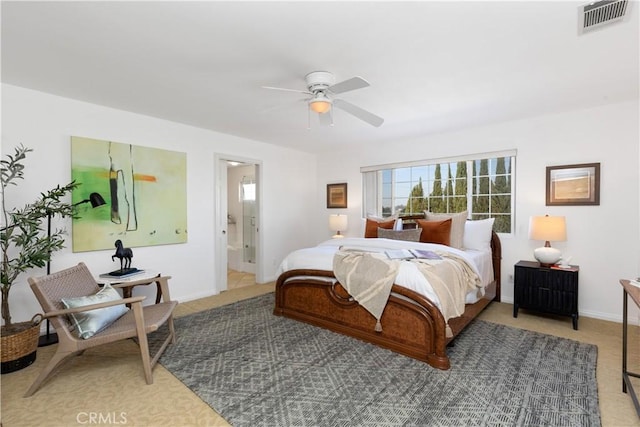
<point>257,369</point>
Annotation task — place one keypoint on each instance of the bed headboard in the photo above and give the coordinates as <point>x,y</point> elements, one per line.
<point>409,222</point>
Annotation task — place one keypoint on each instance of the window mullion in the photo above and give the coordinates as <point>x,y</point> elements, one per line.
<point>469,188</point>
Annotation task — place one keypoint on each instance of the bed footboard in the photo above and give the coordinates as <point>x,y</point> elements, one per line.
<point>411,324</point>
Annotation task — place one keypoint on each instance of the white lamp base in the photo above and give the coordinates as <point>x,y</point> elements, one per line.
<point>337,236</point>
<point>547,255</point>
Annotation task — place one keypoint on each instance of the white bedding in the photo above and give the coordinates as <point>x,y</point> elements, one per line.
<point>321,258</point>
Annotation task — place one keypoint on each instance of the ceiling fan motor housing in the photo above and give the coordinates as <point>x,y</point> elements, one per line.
<point>319,81</point>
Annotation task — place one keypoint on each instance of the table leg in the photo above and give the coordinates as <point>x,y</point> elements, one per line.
<point>158,292</point>
<point>624,339</point>
<point>126,293</point>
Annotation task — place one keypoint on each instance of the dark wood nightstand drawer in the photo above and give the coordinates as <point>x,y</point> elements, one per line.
<point>550,290</point>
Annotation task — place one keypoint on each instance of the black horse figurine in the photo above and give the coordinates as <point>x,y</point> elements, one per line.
<point>125,255</point>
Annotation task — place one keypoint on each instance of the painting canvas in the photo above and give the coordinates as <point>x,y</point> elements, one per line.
<point>573,184</point>
<point>144,189</point>
<point>337,195</point>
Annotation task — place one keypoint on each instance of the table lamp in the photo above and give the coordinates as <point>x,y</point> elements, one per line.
<point>547,228</point>
<point>337,223</point>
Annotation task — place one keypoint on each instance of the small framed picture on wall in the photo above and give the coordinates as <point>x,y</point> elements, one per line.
<point>569,185</point>
<point>337,195</point>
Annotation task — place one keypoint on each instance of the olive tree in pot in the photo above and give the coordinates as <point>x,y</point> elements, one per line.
<point>26,243</point>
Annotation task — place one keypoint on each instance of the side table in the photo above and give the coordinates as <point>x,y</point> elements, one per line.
<point>128,283</point>
<point>634,293</point>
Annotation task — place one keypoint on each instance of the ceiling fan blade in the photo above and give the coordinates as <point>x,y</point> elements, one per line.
<point>354,110</point>
<point>278,107</point>
<point>350,84</point>
<point>287,90</point>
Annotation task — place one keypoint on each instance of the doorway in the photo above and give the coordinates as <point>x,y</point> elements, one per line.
<point>237,225</point>
<point>242,232</point>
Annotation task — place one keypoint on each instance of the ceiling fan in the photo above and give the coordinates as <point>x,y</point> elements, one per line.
<point>321,87</point>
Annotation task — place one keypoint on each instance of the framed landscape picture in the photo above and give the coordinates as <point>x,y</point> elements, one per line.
<point>337,195</point>
<point>576,185</point>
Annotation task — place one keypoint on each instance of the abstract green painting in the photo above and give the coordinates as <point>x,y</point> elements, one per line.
<point>144,189</point>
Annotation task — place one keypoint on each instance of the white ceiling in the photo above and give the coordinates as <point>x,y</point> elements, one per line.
<point>433,66</point>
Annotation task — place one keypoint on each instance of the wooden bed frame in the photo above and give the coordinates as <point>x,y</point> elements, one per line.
<point>411,324</point>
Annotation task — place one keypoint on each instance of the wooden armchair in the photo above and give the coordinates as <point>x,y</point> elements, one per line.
<point>137,322</point>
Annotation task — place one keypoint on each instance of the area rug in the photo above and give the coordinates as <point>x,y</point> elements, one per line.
<point>257,369</point>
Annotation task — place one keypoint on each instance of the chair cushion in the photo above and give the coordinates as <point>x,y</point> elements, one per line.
<point>89,323</point>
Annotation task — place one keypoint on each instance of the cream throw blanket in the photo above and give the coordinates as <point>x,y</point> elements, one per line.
<point>368,278</point>
<point>451,278</point>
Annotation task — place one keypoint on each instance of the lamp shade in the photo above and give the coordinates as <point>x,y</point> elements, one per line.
<point>96,200</point>
<point>337,223</point>
<point>548,228</point>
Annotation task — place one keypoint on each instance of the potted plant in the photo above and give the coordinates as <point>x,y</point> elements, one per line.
<point>26,244</point>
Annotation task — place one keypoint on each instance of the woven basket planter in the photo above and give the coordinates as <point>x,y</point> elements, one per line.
<point>19,344</point>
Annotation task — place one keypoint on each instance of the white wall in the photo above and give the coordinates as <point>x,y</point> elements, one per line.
<point>603,239</point>
<point>45,123</point>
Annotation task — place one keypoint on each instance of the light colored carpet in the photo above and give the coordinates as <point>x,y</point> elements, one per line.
<point>108,381</point>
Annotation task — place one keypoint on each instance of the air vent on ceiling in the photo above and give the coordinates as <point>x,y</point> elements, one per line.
<point>595,15</point>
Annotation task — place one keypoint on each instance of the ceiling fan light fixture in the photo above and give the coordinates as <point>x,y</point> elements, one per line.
<point>320,104</point>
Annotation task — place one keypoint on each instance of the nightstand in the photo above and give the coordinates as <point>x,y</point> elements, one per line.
<point>546,289</point>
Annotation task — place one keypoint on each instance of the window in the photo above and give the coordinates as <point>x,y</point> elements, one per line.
<point>247,190</point>
<point>482,184</point>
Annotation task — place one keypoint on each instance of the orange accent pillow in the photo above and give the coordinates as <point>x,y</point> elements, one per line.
<point>371,228</point>
<point>435,231</point>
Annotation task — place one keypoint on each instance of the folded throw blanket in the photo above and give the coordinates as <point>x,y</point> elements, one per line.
<point>451,278</point>
<point>368,278</point>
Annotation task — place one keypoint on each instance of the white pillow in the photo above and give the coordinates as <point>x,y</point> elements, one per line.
<point>477,234</point>
<point>397,225</point>
<point>89,323</point>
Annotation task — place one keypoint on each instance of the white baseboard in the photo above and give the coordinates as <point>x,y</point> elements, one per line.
<point>584,313</point>
<point>193,297</point>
